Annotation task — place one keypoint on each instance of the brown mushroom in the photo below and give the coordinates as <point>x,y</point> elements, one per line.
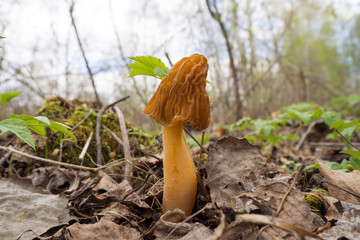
<point>181,99</point>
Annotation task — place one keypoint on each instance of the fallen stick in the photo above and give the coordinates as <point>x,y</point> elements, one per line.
<point>52,161</point>
<point>99,156</point>
<point>126,144</point>
<point>86,146</point>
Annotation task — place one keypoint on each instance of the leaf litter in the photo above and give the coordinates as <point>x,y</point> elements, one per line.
<point>245,196</point>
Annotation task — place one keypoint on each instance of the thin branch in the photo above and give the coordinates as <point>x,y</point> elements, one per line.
<point>346,140</point>
<point>137,188</point>
<point>82,120</point>
<point>215,14</point>
<point>126,144</point>
<point>344,189</point>
<point>305,134</point>
<point>51,161</point>
<point>151,155</point>
<point>122,55</point>
<point>207,206</point>
<point>86,146</point>
<point>298,232</point>
<point>114,136</point>
<point>298,174</point>
<point>91,75</point>
<point>99,156</point>
<point>197,142</point>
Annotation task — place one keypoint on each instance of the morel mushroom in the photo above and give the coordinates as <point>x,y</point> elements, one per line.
<point>181,99</point>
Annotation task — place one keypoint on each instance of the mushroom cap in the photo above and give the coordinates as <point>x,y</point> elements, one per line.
<point>181,95</point>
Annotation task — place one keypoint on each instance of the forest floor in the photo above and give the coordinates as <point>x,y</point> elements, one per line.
<point>283,190</point>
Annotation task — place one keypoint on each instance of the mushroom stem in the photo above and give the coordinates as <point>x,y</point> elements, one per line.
<point>179,171</point>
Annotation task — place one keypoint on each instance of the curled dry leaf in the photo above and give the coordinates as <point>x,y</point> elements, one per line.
<point>56,180</point>
<point>233,165</point>
<point>102,230</point>
<point>349,181</point>
<point>164,227</point>
<point>105,190</point>
<point>348,224</point>
<point>267,198</point>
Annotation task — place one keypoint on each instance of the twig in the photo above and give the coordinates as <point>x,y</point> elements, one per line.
<point>137,188</point>
<point>86,146</point>
<point>284,198</point>
<point>297,175</point>
<point>197,142</point>
<point>297,231</point>
<point>200,158</point>
<point>344,138</point>
<point>151,155</point>
<point>306,133</point>
<point>168,58</point>
<point>82,120</point>
<point>114,136</point>
<point>52,161</point>
<point>208,205</point>
<point>331,144</point>
<point>344,189</point>
<point>91,75</point>
<point>126,144</point>
<point>98,129</point>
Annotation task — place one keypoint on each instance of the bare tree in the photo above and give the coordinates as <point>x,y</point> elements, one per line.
<point>91,75</point>
<point>216,15</point>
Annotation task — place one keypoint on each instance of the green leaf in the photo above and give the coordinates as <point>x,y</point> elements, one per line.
<point>355,161</point>
<point>353,99</point>
<point>352,153</point>
<point>56,126</point>
<point>330,117</point>
<point>38,124</point>
<point>347,132</point>
<point>148,66</point>
<point>312,166</point>
<point>6,97</point>
<point>19,128</point>
<point>335,166</point>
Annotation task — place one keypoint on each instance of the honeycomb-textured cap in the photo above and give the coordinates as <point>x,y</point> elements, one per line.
<point>181,95</point>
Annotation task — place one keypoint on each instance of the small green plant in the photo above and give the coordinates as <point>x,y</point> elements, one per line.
<point>21,125</point>
<point>148,66</point>
<point>290,166</point>
<point>347,104</point>
<point>5,98</point>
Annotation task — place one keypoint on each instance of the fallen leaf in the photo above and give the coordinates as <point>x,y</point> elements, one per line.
<point>233,165</point>
<point>349,181</point>
<point>56,180</point>
<point>170,226</point>
<point>267,197</point>
<point>103,229</point>
<point>347,226</point>
<point>43,211</point>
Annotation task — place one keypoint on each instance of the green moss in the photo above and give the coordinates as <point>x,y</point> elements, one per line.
<point>71,113</point>
<point>316,202</point>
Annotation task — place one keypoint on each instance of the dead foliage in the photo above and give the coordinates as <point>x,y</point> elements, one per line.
<point>243,194</point>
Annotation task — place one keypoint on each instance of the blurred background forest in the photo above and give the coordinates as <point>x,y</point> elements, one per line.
<point>262,54</point>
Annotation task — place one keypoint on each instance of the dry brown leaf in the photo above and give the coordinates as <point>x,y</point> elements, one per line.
<point>347,226</point>
<point>268,196</point>
<point>56,180</point>
<point>164,227</point>
<point>102,230</point>
<point>349,181</point>
<point>23,207</point>
<point>233,165</point>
